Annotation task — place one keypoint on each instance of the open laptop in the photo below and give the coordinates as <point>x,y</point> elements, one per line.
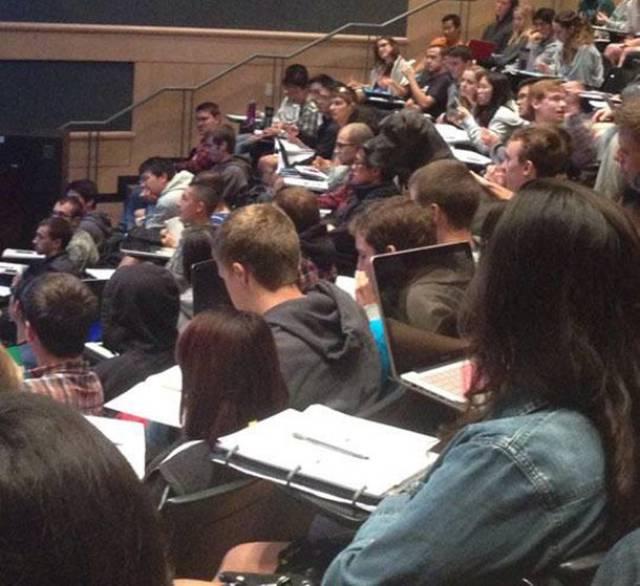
<point>382,100</point>
<point>144,249</point>
<point>298,175</point>
<point>481,50</point>
<point>22,255</point>
<point>426,361</point>
<point>209,290</point>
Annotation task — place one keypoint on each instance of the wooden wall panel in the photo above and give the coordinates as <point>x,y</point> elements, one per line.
<point>183,56</point>
<point>174,57</point>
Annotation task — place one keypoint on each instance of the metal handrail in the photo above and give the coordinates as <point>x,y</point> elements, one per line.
<point>250,58</point>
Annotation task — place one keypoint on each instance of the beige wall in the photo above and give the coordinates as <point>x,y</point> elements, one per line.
<point>186,57</point>
<point>173,57</point>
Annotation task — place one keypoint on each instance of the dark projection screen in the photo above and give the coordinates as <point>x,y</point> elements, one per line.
<point>42,95</point>
<point>281,15</point>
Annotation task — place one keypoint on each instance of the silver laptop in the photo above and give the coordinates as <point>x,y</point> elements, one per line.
<point>420,292</point>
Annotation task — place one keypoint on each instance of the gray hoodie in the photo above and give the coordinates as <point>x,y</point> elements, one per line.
<point>167,206</point>
<point>327,354</point>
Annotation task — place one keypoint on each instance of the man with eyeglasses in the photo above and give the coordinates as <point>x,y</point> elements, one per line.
<point>350,138</point>
<point>543,45</point>
<point>82,249</point>
<point>367,182</point>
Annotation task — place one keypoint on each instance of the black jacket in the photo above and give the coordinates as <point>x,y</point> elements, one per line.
<point>140,308</point>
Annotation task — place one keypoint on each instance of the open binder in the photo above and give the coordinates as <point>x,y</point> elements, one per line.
<point>329,454</point>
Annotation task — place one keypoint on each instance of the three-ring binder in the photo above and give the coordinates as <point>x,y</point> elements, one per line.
<point>291,474</point>
<point>357,494</point>
<point>230,453</point>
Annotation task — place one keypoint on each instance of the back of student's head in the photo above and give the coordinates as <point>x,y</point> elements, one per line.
<point>296,75</point>
<point>547,147</point>
<point>300,205</point>
<point>555,310</point>
<point>396,221</point>
<point>60,309</point>
<point>358,133</point>
<point>59,229</point>
<point>230,372</point>
<point>326,81</point>
<point>461,52</point>
<point>197,246</point>
<point>208,187</point>
<point>263,239</point>
<point>140,306</point>
<point>73,511</point>
<point>448,184</point>
<point>222,134</point>
<point>157,166</point>
<point>86,189</point>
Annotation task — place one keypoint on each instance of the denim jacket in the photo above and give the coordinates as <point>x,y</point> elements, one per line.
<point>621,566</point>
<point>510,496</point>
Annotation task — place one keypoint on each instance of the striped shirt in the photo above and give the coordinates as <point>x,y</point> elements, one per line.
<point>69,382</point>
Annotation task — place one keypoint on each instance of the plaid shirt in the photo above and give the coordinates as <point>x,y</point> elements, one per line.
<point>306,117</point>
<point>68,382</point>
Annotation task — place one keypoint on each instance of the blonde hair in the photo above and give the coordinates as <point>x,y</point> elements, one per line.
<point>580,33</point>
<point>527,15</point>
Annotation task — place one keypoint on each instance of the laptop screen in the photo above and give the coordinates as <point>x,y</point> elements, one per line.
<point>420,293</point>
<point>209,290</point>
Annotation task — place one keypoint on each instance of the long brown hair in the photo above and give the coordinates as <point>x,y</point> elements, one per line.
<point>580,33</point>
<point>554,308</point>
<point>381,65</point>
<point>230,373</point>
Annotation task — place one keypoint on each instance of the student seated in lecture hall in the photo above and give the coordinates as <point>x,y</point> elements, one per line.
<point>208,117</point>
<point>326,352</point>
<point>82,249</point>
<point>386,74</point>
<point>199,201</point>
<point>140,307</point>
<point>542,407</point>
<point>95,222</point>
<point>56,311</point>
<point>220,395</point>
<point>451,32</point>
<point>74,511</point>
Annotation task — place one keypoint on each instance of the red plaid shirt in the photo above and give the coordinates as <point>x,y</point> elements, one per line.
<point>68,382</point>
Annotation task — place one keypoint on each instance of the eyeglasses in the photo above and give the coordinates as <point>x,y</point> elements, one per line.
<point>344,145</point>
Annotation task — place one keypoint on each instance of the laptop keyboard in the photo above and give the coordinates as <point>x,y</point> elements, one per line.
<point>450,380</point>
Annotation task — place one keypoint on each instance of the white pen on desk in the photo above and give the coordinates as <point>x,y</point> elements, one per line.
<point>324,444</point>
